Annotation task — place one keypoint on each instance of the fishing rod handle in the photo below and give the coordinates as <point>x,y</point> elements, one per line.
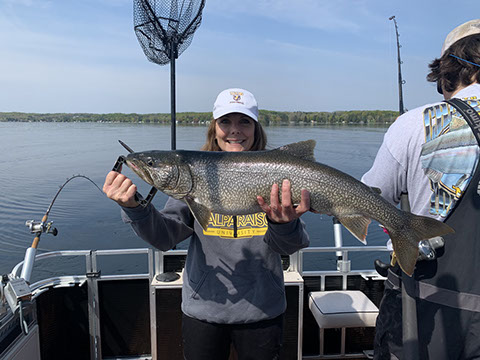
<point>28,263</point>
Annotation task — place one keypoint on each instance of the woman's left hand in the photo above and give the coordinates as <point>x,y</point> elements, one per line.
<point>284,211</point>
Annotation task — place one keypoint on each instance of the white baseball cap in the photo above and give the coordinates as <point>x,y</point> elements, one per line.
<point>469,28</point>
<point>235,100</point>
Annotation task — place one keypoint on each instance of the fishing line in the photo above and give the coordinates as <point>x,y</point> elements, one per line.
<point>43,226</point>
<point>65,183</point>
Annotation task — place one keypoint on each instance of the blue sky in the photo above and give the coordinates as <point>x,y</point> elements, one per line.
<point>303,55</point>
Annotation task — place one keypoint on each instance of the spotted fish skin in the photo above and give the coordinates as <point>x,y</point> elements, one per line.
<point>229,183</point>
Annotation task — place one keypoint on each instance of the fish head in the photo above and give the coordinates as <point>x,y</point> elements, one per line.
<point>158,168</point>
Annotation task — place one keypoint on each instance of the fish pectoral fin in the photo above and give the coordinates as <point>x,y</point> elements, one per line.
<point>200,212</point>
<point>393,260</point>
<point>357,225</point>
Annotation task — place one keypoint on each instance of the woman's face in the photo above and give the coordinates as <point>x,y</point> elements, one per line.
<point>235,132</point>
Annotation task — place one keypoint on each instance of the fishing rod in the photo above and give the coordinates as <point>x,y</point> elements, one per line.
<point>38,228</point>
<point>400,62</point>
<point>17,290</point>
<point>409,305</point>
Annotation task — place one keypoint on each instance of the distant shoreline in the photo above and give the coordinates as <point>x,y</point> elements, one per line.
<point>266,117</point>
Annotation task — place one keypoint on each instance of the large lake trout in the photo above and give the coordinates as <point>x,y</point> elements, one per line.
<point>229,183</point>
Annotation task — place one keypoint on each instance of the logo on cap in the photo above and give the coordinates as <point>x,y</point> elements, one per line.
<point>237,96</point>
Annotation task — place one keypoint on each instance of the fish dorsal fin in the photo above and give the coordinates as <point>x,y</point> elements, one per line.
<point>200,212</point>
<point>301,149</point>
<point>357,225</point>
<point>376,190</point>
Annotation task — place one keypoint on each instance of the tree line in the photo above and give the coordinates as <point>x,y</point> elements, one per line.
<point>266,117</point>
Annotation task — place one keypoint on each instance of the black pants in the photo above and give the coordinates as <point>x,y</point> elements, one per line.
<point>444,333</point>
<point>208,341</point>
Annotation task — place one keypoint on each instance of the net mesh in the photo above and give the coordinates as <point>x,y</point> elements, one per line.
<point>164,26</point>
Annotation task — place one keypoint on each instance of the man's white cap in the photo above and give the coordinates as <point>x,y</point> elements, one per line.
<point>235,101</point>
<point>469,28</point>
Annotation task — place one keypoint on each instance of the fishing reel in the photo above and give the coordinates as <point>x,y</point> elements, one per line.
<point>427,250</point>
<point>41,227</point>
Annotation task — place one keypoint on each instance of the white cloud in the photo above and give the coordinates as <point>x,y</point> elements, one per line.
<point>116,3</point>
<point>43,4</point>
<point>339,15</point>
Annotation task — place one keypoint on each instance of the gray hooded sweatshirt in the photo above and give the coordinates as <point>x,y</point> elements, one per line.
<point>229,278</point>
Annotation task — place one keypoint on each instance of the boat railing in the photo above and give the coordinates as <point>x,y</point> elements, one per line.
<point>91,267</point>
<point>343,263</point>
<point>342,253</point>
<point>157,263</point>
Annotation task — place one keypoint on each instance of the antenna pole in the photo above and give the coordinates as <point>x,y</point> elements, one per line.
<point>400,80</point>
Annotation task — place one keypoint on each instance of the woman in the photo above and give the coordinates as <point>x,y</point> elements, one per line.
<point>233,290</point>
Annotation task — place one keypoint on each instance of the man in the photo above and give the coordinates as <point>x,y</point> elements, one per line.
<point>431,153</point>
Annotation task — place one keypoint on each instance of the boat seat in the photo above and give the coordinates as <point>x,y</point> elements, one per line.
<point>342,309</point>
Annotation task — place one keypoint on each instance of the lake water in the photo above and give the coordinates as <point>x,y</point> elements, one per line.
<point>38,157</point>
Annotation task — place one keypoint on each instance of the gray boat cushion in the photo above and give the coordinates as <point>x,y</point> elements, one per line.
<point>337,309</point>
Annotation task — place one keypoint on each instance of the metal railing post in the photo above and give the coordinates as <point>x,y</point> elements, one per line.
<point>93,306</point>
<point>152,270</point>
<point>409,306</point>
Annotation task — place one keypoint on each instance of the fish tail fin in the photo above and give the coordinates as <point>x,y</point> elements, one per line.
<point>405,240</point>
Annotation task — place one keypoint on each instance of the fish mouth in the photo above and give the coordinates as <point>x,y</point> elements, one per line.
<point>140,168</point>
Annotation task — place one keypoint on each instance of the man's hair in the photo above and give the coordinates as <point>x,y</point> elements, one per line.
<point>449,72</point>
<point>259,142</point>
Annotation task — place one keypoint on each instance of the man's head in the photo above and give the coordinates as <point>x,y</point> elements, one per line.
<point>459,64</point>
<point>471,27</point>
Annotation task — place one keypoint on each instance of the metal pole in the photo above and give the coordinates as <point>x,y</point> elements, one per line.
<point>173,55</point>
<point>399,61</point>
<point>173,110</point>
<point>337,235</point>
<point>409,306</point>
<point>93,306</point>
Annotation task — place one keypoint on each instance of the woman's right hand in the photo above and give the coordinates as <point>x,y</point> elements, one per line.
<point>120,189</point>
